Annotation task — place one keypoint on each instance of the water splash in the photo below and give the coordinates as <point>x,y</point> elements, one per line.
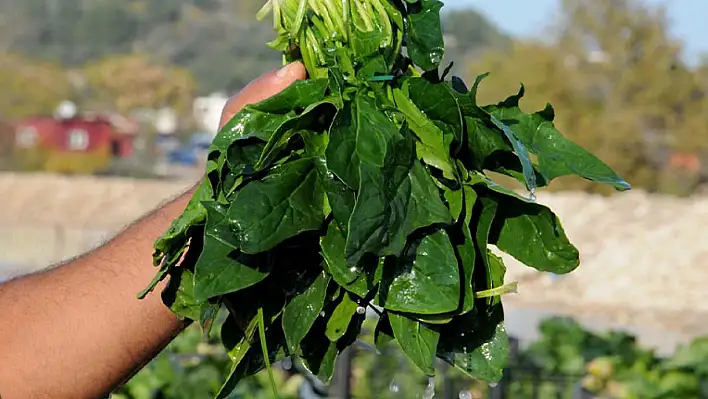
<point>287,363</point>
<point>430,389</point>
<point>465,395</point>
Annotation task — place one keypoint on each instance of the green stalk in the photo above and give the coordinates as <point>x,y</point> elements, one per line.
<point>383,17</point>
<point>337,17</point>
<point>511,288</point>
<point>320,26</point>
<point>299,17</point>
<point>265,10</point>
<point>264,348</point>
<point>361,11</point>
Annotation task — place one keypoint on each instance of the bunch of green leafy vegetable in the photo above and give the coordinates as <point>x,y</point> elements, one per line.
<point>365,185</point>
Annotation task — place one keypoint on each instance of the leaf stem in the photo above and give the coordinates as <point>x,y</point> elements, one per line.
<point>264,348</point>
<point>511,288</point>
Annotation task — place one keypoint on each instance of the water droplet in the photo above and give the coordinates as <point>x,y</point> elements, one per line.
<point>393,387</point>
<point>435,55</point>
<point>360,309</point>
<point>493,384</point>
<point>532,195</point>
<point>462,334</point>
<point>287,363</point>
<point>464,349</point>
<point>354,269</point>
<point>322,313</point>
<point>430,389</point>
<point>465,395</point>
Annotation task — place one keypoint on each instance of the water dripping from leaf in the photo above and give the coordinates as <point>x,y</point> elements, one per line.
<point>360,309</point>
<point>532,194</point>
<point>465,395</point>
<point>287,363</point>
<point>430,389</point>
<point>322,313</point>
<point>393,387</point>
<point>493,384</point>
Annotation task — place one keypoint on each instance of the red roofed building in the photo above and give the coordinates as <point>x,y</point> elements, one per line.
<point>80,144</point>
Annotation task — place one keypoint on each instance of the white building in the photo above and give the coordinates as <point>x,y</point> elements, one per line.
<point>207,111</point>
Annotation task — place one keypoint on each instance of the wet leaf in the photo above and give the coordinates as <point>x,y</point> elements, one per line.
<point>418,341</point>
<point>425,282</point>
<point>285,203</point>
<point>301,313</point>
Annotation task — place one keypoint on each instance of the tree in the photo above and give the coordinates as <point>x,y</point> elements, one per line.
<point>617,82</point>
<point>129,82</point>
<point>30,87</point>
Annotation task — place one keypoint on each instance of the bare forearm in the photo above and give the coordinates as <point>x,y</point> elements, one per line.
<point>77,330</point>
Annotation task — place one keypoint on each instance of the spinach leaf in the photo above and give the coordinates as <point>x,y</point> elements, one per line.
<point>532,234</point>
<point>339,321</point>
<point>285,203</point>
<point>419,200</point>
<point>425,38</point>
<point>425,280</point>
<point>301,313</point>
<point>480,353</point>
<point>557,156</point>
<point>224,268</point>
<point>368,153</point>
<point>418,341</point>
<point>261,120</point>
<point>431,146</point>
<point>440,104</point>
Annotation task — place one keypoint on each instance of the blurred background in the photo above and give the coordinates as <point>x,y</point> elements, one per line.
<point>107,109</point>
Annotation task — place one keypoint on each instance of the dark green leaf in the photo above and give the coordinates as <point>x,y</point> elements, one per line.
<point>426,281</point>
<point>418,341</point>
<point>222,268</point>
<point>383,334</point>
<point>557,156</point>
<point>532,234</point>
<point>418,200</point>
<point>179,295</point>
<point>485,212</point>
<point>261,120</point>
<point>175,238</point>
<point>339,321</point>
<point>368,153</point>
<point>350,277</point>
<point>301,313</point>
<point>285,203</point>
<point>439,102</point>
<point>481,353</point>
<point>430,146</point>
<point>425,37</point>
<point>462,203</point>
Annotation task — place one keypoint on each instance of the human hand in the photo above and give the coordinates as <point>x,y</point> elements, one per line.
<point>265,86</point>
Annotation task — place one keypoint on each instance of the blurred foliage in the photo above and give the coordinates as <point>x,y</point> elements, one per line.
<point>129,82</point>
<point>30,87</point>
<point>614,75</point>
<point>607,365</point>
<point>218,41</point>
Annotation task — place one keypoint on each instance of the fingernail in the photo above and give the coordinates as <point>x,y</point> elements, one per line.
<point>285,71</point>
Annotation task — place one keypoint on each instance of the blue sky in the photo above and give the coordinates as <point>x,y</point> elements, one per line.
<point>688,18</point>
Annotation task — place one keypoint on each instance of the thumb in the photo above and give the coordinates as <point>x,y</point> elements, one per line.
<point>263,87</point>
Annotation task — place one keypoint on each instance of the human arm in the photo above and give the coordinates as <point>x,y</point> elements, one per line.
<point>78,330</point>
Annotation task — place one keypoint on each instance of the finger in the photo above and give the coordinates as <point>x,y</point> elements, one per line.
<point>265,86</point>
